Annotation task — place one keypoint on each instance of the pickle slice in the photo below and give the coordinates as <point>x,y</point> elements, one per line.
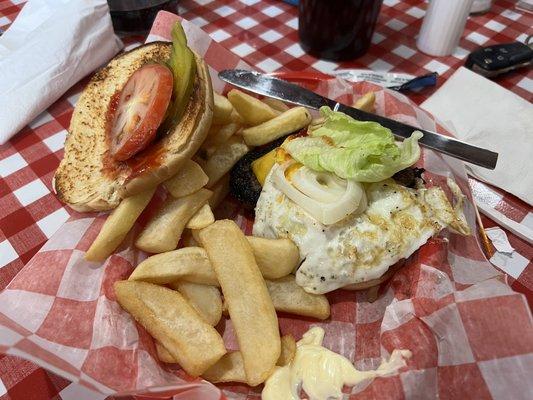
<point>183,66</point>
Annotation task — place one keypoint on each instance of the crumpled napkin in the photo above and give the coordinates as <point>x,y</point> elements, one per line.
<point>487,115</point>
<point>49,47</point>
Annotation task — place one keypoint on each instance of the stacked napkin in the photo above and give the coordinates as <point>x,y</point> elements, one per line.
<point>485,114</point>
<point>49,47</point>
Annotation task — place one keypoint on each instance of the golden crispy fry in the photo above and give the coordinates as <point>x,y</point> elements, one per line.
<point>196,234</point>
<point>163,232</point>
<point>290,121</point>
<point>224,157</point>
<point>117,226</point>
<point>169,318</point>
<point>188,180</point>
<point>220,134</point>
<point>366,102</point>
<point>249,304</point>
<point>191,264</point>
<point>253,111</point>
<point>230,368</point>
<point>203,217</point>
<point>319,310</point>
<point>288,297</point>
<point>220,191</point>
<point>188,239</point>
<point>288,350</point>
<point>188,263</point>
<point>222,109</point>
<point>225,311</point>
<point>275,257</point>
<point>276,104</point>
<point>164,355</point>
<point>236,117</point>
<point>205,299</point>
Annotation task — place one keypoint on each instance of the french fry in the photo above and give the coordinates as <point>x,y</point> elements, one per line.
<point>225,311</point>
<point>366,102</point>
<point>203,217</point>
<point>163,232</point>
<point>188,240</point>
<point>188,180</point>
<point>253,111</point>
<point>190,264</point>
<point>276,258</point>
<point>236,117</point>
<point>222,109</point>
<point>220,191</point>
<point>164,355</point>
<point>249,304</point>
<point>288,297</point>
<point>316,306</point>
<point>290,121</point>
<point>219,136</point>
<point>205,299</point>
<point>230,368</point>
<point>224,158</point>
<point>276,104</point>
<point>117,225</point>
<point>288,350</point>
<point>196,234</point>
<point>169,318</point>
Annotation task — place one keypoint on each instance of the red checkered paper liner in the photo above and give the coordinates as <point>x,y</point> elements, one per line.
<point>471,336</point>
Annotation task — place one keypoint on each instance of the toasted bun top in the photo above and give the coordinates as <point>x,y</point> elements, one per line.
<point>88,178</point>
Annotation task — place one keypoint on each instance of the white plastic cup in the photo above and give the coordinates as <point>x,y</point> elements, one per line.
<point>443,26</point>
<point>481,6</point>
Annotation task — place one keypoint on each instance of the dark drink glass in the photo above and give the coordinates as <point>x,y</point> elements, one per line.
<point>137,16</point>
<point>337,29</point>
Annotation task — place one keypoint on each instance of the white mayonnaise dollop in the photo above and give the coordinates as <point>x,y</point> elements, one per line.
<point>321,373</point>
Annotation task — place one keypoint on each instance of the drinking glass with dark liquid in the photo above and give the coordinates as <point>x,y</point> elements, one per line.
<point>337,29</point>
<point>137,16</point>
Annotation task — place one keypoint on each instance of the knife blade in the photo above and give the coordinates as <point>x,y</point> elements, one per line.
<point>269,86</point>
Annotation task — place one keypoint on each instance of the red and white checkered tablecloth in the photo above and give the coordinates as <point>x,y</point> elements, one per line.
<point>263,33</point>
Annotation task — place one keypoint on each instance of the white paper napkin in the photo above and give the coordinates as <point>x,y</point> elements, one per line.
<point>49,47</point>
<point>487,115</point>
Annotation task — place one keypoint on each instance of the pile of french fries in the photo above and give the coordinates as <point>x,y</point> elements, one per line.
<point>180,294</point>
<point>179,297</point>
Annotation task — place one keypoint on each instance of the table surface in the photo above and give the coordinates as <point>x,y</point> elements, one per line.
<point>263,33</point>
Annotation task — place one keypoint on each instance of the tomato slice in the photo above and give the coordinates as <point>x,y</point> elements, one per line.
<point>140,110</point>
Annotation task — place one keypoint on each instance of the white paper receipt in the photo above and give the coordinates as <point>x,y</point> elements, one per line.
<point>321,373</point>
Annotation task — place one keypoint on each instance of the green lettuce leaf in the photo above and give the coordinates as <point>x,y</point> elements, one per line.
<point>359,150</point>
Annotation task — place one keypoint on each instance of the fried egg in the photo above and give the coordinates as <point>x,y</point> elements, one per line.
<point>397,221</point>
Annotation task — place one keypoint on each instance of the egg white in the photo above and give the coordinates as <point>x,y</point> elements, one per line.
<point>397,222</point>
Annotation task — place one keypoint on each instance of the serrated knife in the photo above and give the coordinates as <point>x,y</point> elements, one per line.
<point>289,92</point>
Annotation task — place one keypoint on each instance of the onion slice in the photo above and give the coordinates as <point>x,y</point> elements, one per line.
<point>318,204</point>
<point>320,186</point>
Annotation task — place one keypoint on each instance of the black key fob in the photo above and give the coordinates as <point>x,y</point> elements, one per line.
<point>494,60</point>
